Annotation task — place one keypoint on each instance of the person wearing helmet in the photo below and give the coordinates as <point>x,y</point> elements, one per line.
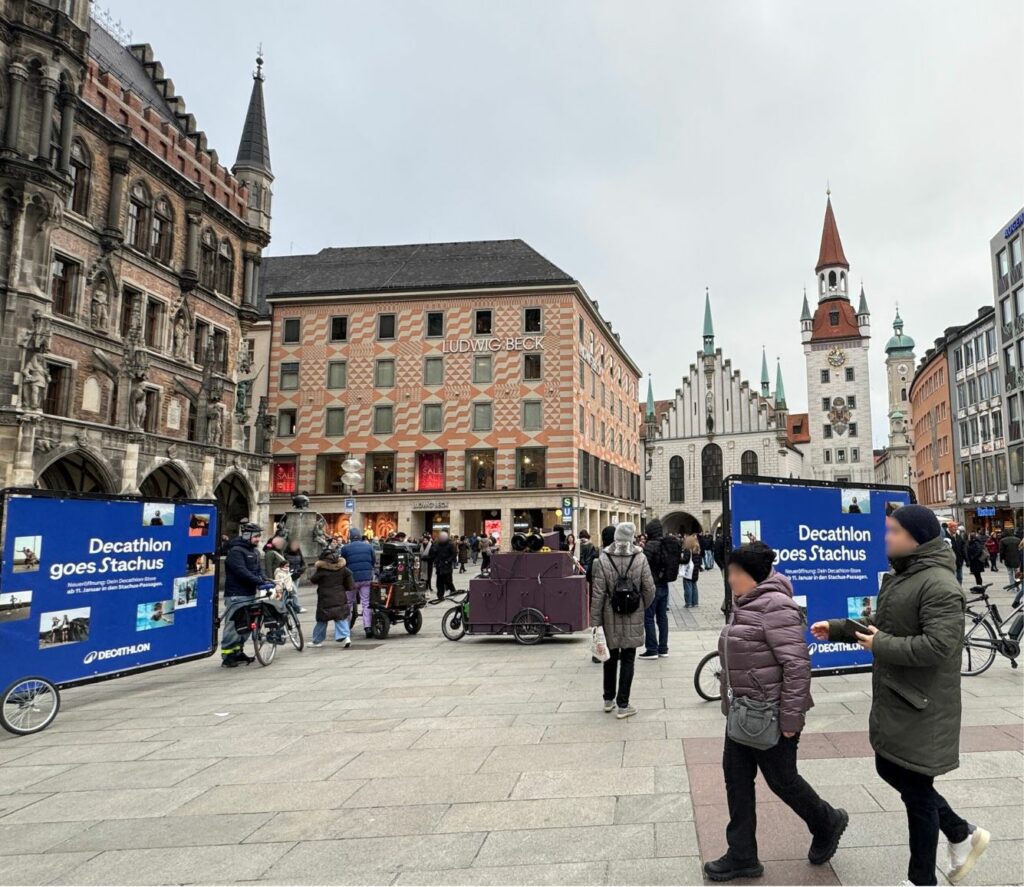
<point>243,578</point>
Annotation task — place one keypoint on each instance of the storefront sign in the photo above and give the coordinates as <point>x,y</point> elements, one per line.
<point>431,505</point>
<point>516,343</point>
<point>431,472</point>
<point>1013,226</point>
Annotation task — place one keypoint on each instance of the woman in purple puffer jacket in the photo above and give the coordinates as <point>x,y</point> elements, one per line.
<point>764,647</point>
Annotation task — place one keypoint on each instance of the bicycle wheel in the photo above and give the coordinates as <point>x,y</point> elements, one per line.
<point>453,624</point>
<point>979,651</point>
<point>528,626</point>
<point>294,631</point>
<point>707,679</point>
<point>28,706</point>
<point>264,650</point>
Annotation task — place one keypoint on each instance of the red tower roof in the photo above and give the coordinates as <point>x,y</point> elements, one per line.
<point>831,252</point>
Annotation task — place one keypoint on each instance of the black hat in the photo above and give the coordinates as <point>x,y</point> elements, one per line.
<point>607,536</point>
<point>585,534</point>
<point>755,559</point>
<point>919,521</point>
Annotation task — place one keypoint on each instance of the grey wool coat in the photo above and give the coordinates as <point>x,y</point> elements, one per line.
<point>621,631</point>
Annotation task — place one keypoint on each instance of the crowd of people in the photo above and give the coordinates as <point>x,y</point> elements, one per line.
<point>982,552</point>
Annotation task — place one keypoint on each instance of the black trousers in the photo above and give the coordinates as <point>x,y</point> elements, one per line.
<point>621,666</point>
<point>927,815</point>
<point>778,766</point>
<point>444,583</point>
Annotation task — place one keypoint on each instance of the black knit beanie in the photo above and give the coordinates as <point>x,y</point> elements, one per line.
<point>919,521</point>
<point>755,559</point>
<point>607,536</point>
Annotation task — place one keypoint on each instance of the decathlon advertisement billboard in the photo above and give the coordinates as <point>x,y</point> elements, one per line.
<point>830,542</point>
<point>96,586</point>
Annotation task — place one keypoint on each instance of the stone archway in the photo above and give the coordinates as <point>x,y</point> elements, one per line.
<point>234,499</point>
<point>167,481</point>
<point>680,522</point>
<point>76,472</point>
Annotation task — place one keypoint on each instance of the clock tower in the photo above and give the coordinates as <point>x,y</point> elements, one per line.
<point>899,369</point>
<point>836,337</point>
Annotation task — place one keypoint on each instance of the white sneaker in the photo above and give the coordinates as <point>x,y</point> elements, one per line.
<point>964,855</point>
<point>347,644</point>
<point>626,712</point>
<point>609,705</point>
<point>317,644</point>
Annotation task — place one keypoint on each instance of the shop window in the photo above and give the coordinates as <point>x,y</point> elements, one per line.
<point>531,468</point>
<point>430,471</point>
<point>380,470</point>
<point>383,419</point>
<point>337,374</point>
<point>480,469</point>
<point>284,475</point>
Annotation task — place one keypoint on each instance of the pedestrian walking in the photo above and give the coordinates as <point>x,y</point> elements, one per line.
<point>663,555</point>
<point>358,556</point>
<point>474,547</point>
<point>445,556</point>
<point>915,638</point>
<point>992,547</point>
<point>623,588</point>
<point>765,658</point>
<point>1009,552</point>
<point>334,584</point>
<point>463,553</point>
<point>486,543</point>
<point>427,559</point>
<point>958,543</point>
<point>690,571</point>
<point>976,557</point>
<point>588,551</point>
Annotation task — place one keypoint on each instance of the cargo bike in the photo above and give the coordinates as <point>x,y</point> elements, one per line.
<point>397,594</point>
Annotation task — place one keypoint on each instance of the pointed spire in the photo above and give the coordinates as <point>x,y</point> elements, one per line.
<point>831,251</point>
<point>709,329</point>
<point>897,322</point>
<point>254,146</point>
<point>805,313</point>
<point>780,389</point>
<point>765,380</point>
<point>862,307</point>
<point>650,399</point>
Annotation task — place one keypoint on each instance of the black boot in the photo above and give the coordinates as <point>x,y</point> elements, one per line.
<point>824,848</point>
<point>369,632</point>
<point>724,869</point>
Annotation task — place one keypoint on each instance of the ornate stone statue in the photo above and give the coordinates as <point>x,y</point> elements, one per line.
<point>244,361</point>
<point>180,337</point>
<point>320,534</point>
<point>34,379</point>
<point>137,411</point>
<point>214,427</point>
<point>100,314</point>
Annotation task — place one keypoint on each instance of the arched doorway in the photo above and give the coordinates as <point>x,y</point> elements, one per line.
<point>76,472</point>
<point>680,522</point>
<point>166,482</point>
<point>233,500</point>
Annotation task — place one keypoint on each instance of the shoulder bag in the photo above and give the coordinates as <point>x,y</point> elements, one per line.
<point>753,722</point>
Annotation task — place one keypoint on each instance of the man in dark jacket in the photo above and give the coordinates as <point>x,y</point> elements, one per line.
<point>242,579</point>
<point>662,553</point>
<point>588,551</point>
<point>958,543</point>
<point>1009,553</point>
<point>916,638</point>
<point>445,555</point>
<point>358,555</point>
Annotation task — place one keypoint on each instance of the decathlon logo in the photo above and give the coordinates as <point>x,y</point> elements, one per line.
<point>114,653</point>
<point>831,648</point>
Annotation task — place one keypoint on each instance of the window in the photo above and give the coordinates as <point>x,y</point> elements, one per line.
<point>833,318</point>
<point>480,469</point>
<point>593,427</point>
<point>208,258</point>
<point>200,339</point>
<point>339,329</point>
<point>435,324</point>
<point>291,331</point>
<point>137,231</point>
<point>676,479</point>
<point>482,369</point>
<point>958,359</point>
<point>433,371</point>
<point>748,462</point>
<point>152,420</point>
<point>531,468</point>
<point>532,320</point>
<point>854,454</point>
<point>335,421</point>
<point>997,425</point>
<point>968,354</point>
<point>225,268</point>
<point>531,367</point>
<point>337,374</point>
<point>380,472</point>
<point>385,326</point>
<point>826,404</point>
<point>966,475</point>
<point>828,456</point>
<point>289,376</point>
<point>482,417</point>
<point>153,329</point>
<point>850,375</point>
<point>286,422</point>
<point>80,169</point>
<point>1015,253</point>
<point>825,377</point>
<point>430,471</point>
<point>583,380</point>
<point>329,472</point>
<point>432,418</point>
<point>853,429</point>
<point>55,399</point>
<point>1003,260</point>
<point>383,419</point>
<point>583,420</point>
<point>532,415</point>
<point>482,322</point>
<point>581,330</point>
<point>220,349</point>
<point>63,281</point>
<point>851,401</point>
<point>129,299</point>
<point>985,429</point>
<point>972,391</point>
<point>711,472</point>
<point>826,431</point>
<point>161,239</point>
<point>284,475</point>
<point>384,373</point>
<point>840,455</point>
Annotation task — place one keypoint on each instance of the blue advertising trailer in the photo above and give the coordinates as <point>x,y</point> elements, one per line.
<point>830,542</point>
<point>97,587</point>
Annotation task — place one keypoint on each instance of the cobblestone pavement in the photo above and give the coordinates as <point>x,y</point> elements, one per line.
<point>421,761</point>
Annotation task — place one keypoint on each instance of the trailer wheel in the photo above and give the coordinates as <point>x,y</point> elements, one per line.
<point>381,624</point>
<point>529,626</point>
<point>28,706</point>
<point>414,622</point>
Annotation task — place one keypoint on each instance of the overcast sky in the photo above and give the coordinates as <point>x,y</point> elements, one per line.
<point>649,149</point>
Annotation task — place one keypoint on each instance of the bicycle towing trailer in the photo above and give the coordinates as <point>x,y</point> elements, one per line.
<point>398,594</point>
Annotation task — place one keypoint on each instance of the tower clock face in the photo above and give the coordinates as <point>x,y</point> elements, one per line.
<point>837,357</point>
<point>902,369</point>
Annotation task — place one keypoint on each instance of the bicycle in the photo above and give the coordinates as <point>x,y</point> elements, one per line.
<point>456,619</point>
<point>707,679</point>
<point>988,633</point>
<point>270,631</point>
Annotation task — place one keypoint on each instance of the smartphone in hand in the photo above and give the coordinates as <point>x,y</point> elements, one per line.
<point>854,626</point>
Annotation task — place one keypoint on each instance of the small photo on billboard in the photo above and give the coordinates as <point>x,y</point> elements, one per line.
<point>801,602</point>
<point>199,525</point>
<point>186,592</point>
<point>27,550</point>
<point>200,564</point>
<point>861,607</point>
<point>157,514</point>
<point>61,627</point>
<point>881,578</point>
<point>157,614</point>
<point>750,531</point>
<point>892,505</point>
<point>15,605</point>
<point>856,501</point>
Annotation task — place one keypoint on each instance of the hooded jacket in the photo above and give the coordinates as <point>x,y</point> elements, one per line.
<point>1009,551</point>
<point>915,682</point>
<point>242,573</point>
<point>445,555</point>
<point>332,581</point>
<point>626,630</point>
<point>662,553</point>
<point>767,654</point>
<point>358,554</point>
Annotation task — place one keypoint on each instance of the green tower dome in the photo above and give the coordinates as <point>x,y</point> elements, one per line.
<point>900,345</point>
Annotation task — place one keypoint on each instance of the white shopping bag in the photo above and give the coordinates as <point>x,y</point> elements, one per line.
<point>598,644</point>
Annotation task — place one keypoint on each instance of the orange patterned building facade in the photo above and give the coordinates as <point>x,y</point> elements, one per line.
<point>477,384</point>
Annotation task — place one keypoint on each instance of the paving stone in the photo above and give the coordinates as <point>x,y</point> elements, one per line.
<point>281,767</point>
<point>269,797</point>
<point>580,873</point>
<point>452,788</point>
<point>125,774</point>
<point>567,844</point>
<point>587,783</point>
<point>611,728</point>
<point>91,754</point>
<point>538,814</point>
<point>167,831</point>
<point>652,752</point>
<point>487,737</point>
<point>131,803</point>
<point>37,837</point>
<point>659,807</point>
<point>668,871</point>
<point>368,822</point>
<point>553,756</point>
<point>372,763</point>
<point>39,868</point>
<point>14,779</point>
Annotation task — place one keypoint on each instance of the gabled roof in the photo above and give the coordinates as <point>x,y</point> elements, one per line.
<point>254,146</point>
<point>798,430</point>
<point>831,251</point>
<point>847,328</point>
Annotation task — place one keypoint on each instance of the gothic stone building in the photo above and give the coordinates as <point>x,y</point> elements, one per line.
<point>129,264</point>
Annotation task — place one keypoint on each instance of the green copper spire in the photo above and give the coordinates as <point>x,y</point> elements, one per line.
<point>780,389</point>
<point>805,314</point>
<point>862,308</point>
<point>765,380</point>
<point>709,329</point>
<point>650,399</point>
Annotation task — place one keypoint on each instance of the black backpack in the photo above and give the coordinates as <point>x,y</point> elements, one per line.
<point>672,554</point>
<point>625,597</point>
